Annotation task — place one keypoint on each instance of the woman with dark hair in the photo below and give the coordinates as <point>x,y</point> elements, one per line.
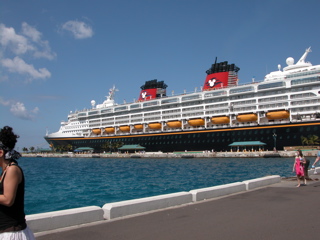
<point>298,167</point>
<point>12,217</point>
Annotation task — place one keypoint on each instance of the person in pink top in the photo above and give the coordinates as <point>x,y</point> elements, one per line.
<point>298,167</point>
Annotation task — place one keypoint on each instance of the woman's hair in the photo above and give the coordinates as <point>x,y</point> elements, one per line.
<point>8,138</point>
<point>300,153</point>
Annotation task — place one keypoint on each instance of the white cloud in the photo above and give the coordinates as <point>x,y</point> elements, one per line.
<point>25,45</point>
<point>16,43</point>
<point>20,66</point>
<point>19,110</point>
<point>79,29</point>
<point>31,32</point>
<point>43,49</point>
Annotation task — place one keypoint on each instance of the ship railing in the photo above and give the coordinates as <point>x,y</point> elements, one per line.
<point>189,92</point>
<point>278,122</point>
<point>245,124</point>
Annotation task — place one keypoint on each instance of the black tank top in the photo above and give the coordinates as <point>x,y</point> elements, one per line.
<point>14,215</point>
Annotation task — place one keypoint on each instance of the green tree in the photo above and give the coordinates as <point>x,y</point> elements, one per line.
<point>304,140</point>
<point>310,140</point>
<point>116,145</point>
<point>31,149</point>
<point>313,140</point>
<point>106,146</point>
<point>67,147</point>
<point>58,148</point>
<point>25,149</point>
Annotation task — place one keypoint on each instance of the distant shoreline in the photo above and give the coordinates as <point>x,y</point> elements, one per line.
<point>190,154</point>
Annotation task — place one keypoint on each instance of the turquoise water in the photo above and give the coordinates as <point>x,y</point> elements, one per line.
<point>63,183</point>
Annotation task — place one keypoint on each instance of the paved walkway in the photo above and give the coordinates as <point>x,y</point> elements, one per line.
<point>280,211</point>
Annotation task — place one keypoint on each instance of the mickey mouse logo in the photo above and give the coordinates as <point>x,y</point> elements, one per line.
<point>213,82</point>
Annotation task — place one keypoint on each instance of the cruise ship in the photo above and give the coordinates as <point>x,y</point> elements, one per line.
<point>276,112</point>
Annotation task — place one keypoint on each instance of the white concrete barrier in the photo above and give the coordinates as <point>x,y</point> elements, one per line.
<point>130,207</point>
<point>261,182</point>
<point>217,191</point>
<point>65,218</point>
<point>314,171</point>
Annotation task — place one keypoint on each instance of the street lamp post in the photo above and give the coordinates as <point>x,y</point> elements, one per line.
<point>275,142</point>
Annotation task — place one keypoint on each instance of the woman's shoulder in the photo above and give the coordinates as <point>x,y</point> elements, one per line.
<point>14,169</point>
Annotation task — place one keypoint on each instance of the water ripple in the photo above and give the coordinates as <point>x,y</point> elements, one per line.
<point>63,183</point>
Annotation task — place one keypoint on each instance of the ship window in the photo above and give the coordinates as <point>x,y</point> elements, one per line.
<point>120,108</point>
<point>271,85</point>
<point>171,100</point>
<point>305,80</point>
<point>82,114</point>
<point>148,104</point>
<point>106,110</point>
<point>304,95</point>
<point>93,112</point>
<point>279,98</point>
<point>135,106</point>
<point>241,90</point>
<point>215,93</point>
<point>191,97</point>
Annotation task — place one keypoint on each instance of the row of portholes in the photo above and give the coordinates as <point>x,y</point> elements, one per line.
<point>287,137</point>
<point>152,141</point>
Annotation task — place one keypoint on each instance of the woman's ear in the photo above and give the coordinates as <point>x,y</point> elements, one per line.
<point>1,153</point>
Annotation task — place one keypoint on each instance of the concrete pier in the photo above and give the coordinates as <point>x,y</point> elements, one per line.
<point>187,154</point>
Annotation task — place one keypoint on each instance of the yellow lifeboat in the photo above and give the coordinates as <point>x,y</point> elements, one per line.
<point>154,125</point>
<point>174,124</point>
<point>138,126</point>
<point>220,120</point>
<point>278,115</point>
<point>247,117</point>
<point>196,122</point>
<point>124,128</point>
<point>96,131</point>
<point>109,129</point>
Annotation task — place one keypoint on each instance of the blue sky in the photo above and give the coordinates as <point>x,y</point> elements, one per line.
<point>57,56</point>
